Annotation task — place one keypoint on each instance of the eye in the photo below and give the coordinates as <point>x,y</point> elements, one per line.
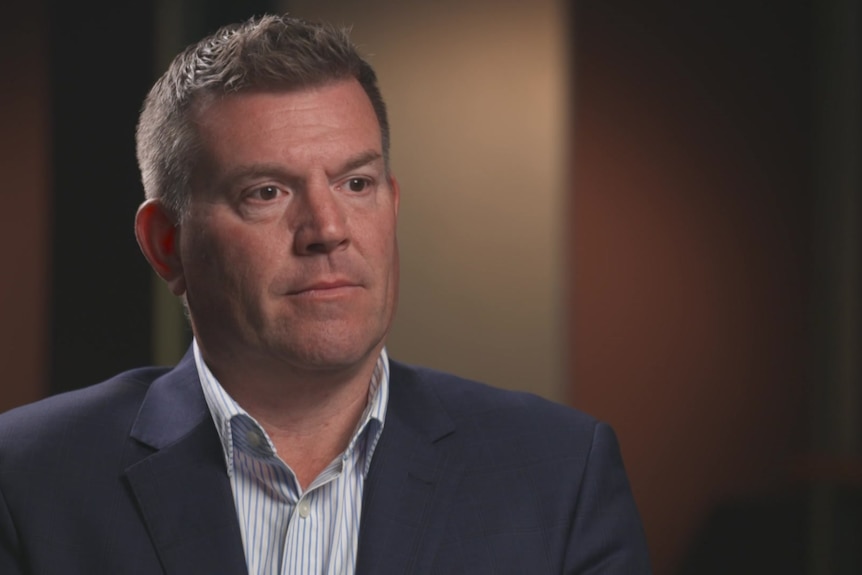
<point>357,184</point>
<point>265,193</point>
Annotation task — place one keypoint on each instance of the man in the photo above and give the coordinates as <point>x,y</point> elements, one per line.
<point>286,441</point>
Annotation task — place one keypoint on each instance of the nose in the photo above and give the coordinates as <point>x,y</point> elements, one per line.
<point>321,223</point>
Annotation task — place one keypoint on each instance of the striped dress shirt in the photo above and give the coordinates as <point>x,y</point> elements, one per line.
<point>285,530</point>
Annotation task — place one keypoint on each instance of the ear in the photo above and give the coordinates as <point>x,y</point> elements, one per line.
<point>158,237</point>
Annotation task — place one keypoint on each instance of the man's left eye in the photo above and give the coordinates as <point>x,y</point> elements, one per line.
<point>357,184</point>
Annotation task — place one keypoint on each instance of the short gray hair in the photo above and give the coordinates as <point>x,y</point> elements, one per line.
<point>270,52</point>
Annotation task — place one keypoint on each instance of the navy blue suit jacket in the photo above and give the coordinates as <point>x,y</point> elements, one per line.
<point>128,477</point>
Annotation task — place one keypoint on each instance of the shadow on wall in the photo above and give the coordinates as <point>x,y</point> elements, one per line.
<point>777,534</point>
<point>695,265</point>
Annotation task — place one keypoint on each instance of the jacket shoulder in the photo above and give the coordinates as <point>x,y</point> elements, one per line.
<point>97,409</point>
<point>503,413</point>
<point>466,397</point>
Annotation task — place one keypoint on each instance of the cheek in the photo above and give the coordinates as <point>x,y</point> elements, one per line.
<point>216,261</point>
<point>384,254</point>
<point>393,273</point>
<point>395,277</point>
<point>395,259</point>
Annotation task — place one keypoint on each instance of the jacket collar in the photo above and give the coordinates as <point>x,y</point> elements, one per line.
<point>173,406</point>
<point>412,479</point>
<point>182,488</point>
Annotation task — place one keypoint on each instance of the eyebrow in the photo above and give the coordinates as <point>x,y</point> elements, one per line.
<point>278,171</point>
<point>363,159</point>
<point>262,170</point>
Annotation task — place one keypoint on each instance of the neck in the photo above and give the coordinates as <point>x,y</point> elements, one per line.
<point>309,415</point>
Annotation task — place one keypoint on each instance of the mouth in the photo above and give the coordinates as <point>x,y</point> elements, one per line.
<point>325,288</point>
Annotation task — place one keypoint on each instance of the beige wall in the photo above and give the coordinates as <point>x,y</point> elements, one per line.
<point>476,97</point>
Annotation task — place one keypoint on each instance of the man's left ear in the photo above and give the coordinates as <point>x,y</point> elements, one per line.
<point>158,236</point>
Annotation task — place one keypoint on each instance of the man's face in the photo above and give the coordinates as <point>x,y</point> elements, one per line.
<point>288,249</point>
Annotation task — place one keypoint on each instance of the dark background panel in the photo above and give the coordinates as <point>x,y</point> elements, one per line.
<point>101,62</point>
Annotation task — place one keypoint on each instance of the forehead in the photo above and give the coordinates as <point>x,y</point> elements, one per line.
<point>297,124</point>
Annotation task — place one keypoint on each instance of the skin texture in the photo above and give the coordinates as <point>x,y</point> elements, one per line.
<point>288,256</point>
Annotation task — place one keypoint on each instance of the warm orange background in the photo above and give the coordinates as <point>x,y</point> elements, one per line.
<point>689,270</point>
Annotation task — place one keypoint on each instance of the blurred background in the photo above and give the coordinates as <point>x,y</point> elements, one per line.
<point>648,210</point>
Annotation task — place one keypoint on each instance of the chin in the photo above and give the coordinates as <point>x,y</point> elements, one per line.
<point>328,354</point>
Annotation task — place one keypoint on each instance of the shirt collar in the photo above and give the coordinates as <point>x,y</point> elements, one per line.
<point>225,411</point>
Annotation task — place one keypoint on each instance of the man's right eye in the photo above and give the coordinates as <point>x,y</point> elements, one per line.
<point>265,193</point>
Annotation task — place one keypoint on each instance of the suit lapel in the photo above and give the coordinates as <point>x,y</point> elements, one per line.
<point>410,483</point>
<point>182,488</point>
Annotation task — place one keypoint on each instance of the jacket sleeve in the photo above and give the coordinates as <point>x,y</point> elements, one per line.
<point>607,537</point>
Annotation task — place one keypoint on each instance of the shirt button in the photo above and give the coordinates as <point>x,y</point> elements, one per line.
<point>252,437</point>
<point>304,509</point>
